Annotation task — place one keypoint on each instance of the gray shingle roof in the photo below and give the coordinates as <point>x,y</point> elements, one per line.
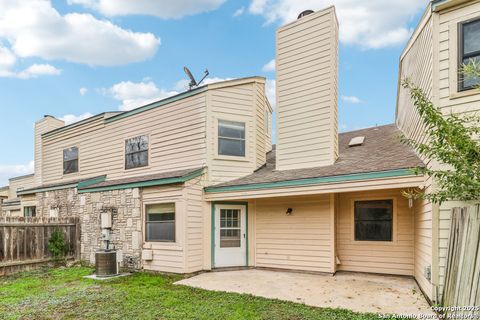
<point>381,151</point>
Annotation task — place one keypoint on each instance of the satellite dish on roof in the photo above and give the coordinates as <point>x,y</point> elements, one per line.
<point>193,83</point>
<point>305,13</point>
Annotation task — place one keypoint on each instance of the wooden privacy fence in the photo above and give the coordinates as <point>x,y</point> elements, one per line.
<point>462,278</point>
<point>24,241</point>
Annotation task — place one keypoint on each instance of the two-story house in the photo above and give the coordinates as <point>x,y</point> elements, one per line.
<point>195,184</point>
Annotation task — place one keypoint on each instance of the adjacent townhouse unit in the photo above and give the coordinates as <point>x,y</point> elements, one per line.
<point>4,193</point>
<point>194,182</point>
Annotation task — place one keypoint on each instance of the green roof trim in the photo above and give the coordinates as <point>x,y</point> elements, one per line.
<point>89,182</point>
<point>157,104</point>
<point>46,189</point>
<point>144,184</point>
<point>314,181</point>
<point>85,183</point>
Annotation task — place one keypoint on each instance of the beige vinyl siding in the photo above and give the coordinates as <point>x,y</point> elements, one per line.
<point>20,183</point>
<point>307,91</point>
<point>176,134</point>
<point>185,254</point>
<point>232,103</point>
<point>431,61</point>
<point>261,125</point>
<point>396,257</point>
<point>450,100</point>
<point>194,225</point>
<point>417,64</point>
<point>42,126</point>
<point>301,241</point>
<point>167,256</point>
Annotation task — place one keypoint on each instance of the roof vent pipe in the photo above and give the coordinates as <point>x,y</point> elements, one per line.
<point>305,13</point>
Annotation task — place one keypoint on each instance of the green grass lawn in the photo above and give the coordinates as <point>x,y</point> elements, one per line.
<point>64,294</point>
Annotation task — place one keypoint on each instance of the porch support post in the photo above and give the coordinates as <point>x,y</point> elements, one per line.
<point>333,267</point>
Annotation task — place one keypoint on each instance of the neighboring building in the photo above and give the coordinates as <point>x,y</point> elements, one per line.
<point>11,205</point>
<point>4,191</point>
<point>194,183</point>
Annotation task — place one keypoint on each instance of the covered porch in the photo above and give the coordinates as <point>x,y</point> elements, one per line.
<point>361,231</point>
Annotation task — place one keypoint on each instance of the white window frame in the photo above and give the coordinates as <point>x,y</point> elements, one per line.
<point>217,137</point>
<point>174,223</point>
<point>179,227</point>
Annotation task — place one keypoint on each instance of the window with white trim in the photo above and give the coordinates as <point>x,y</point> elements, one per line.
<point>160,222</point>
<point>231,138</point>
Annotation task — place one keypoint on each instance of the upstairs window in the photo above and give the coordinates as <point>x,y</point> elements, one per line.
<point>29,212</point>
<point>469,50</point>
<point>160,222</point>
<point>373,220</point>
<point>136,152</point>
<point>231,138</point>
<point>70,160</point>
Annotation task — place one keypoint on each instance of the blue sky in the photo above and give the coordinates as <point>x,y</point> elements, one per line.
<point>74,58</point>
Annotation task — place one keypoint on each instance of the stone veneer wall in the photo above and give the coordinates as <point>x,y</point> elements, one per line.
<point>127,220</point>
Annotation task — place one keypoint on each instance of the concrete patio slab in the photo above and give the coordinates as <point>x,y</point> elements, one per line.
<point>355,291</point>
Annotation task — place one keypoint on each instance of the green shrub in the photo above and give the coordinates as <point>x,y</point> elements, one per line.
<point>57,245</point>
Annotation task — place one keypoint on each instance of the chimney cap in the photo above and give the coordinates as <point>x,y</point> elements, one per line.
<point>305,13</point>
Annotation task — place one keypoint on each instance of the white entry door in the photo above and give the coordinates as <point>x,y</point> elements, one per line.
<point>230,236</point>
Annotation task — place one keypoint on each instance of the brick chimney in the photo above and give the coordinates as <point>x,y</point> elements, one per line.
<point>46,124</point>
<point>307,91</point>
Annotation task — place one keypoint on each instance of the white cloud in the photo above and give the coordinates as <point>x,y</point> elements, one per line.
<point>271,93</point>
<point>137,94</point>
<point>164,9</point>
<point>351,99</point>
<point>367,24</point>
<point>8,61</point>
<point>36,70</point>
<point>8,171</point>
<point>33,28</point>
<point>269,67</point>
<point>83,91</point>
<point>239,12</point>
<point>71,118</point>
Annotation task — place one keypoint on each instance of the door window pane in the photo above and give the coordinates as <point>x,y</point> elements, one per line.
<point>373,220</point>
<point>160,223</point>
<point>230,229</point>
<point>231,138</point>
